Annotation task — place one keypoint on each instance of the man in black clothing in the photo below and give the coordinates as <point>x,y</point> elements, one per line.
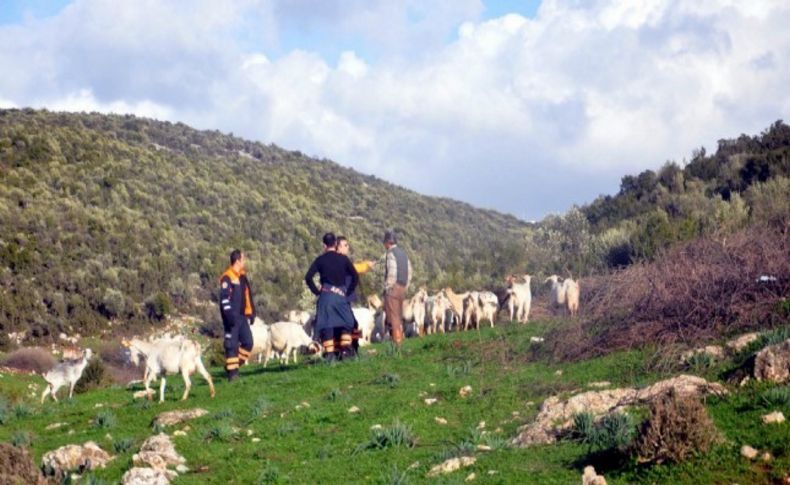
<point>334,320</point>
<point>235,302</point>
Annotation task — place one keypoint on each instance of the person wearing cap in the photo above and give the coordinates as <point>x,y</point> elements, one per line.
<point>362,267</point>
<point>334,320</point>
<point>397,276</point>
<point>237,310</point>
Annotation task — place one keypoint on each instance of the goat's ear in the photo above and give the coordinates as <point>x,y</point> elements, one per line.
<point>125,343</point>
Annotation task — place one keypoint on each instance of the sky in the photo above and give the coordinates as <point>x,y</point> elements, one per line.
<point>526,107</point>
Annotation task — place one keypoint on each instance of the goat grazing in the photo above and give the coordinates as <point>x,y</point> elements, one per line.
<point>168,356</point>
<point>67,372</point>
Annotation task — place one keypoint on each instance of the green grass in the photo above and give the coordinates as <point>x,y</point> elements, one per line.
<point>321,441</point>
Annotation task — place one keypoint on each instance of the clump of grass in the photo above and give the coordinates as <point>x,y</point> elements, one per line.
<point>221,432</point>
<point>105,419</point>
<point>334,394</point>
<point>22,410</point>
<point>269,474</point>
<point>260,407</point>
<point>495,441</point>
<point>391,380</point>
<point>613,432</point>
<point>394,476</point>
<point>462,369</point>
<point>700,362</point>
<point>771,337</point>
<point>775,396</point>
<point>678,428</point>
<point>398,435</point>
<point>122,445</point>
<point>22,439</point>
<point>4,411</point>
<point>223,414</point>
<point>392,350</point>
<point>92,480</point>
<point>286,428</point>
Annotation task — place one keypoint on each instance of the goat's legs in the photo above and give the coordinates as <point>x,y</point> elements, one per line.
<point>147,381</point>
<point>187,383</point>
<point>162,389</point>
<point>71,389</point>
<point>47,390</point>
<point>202,370</point>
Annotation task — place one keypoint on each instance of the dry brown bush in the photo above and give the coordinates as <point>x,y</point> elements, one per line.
<point>678,428</point>
<point>29,359</point>
<point>17,466</point>
<point>693,293</point>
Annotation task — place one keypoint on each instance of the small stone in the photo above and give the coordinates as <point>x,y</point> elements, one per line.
<point>498,430</point>
<point>256,440</point>
<point>432,384</point>
<point>536,340</point>
<point>108,436</point>
<point>599,384</point>
<point>353,409</point>
<point>451,465</point>
<point>139,394</point>
<point>481,425</point>
<point>182,468</point>
<point>98,405</point>
<point>176,417</point>
<point>430,401</point>
<point>748,452</point>
<point>414,465</point>
<point>492,472</point>
<point>465,391</point>
<point>440,420</point>
<point>558,373</point>
<point>376,426</point>
<point>54,426</point>
<point>483,448</point>
<point>516,413</point>
<point>766,457</point>
<point>471,477</point>
<point>179,433</point>
<point>249,432</point>
<point>775,417</point>
<point>71,432</point>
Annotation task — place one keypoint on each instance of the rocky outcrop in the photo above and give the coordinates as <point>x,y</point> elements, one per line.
<point>452,465</point>
<point>739,343</point>
<point>175,417</point>
<point>591,478</point>
<point>147,476</point>
<point>556,415</point>
<point>158,453</point>
<point>773,363</point>
<point>17,466</point>
<point>79,458</point>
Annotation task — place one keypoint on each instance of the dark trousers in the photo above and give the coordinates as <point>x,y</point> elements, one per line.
<point>237,343</point>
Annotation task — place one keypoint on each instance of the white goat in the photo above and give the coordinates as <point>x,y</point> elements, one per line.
<point>520,300</point>
<point>168,356</point>
<point>288,338</point>
<point>437,307</point>
<point>366,319</point>
<point>414,311</point>
<point>261,340</point>
<point>471,309</point>
<point>571,289</point>
<point>456,304</point>
<point>303,318</point>
<point>557,295</point>
<point>67,372</point>
<point>488,306</point>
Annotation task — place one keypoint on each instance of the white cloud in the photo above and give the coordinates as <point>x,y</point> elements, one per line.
<point>525,115</point>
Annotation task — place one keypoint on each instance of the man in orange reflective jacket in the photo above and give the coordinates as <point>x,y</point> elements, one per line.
<point>238,311</point>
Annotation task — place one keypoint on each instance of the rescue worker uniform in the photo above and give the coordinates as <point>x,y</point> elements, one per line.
<point>237,310</point>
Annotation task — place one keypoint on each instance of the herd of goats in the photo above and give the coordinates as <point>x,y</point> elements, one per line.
<point>423,314</point>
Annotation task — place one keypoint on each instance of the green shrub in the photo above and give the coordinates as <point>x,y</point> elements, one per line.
<point>4,411</point>
<point>334,394</point>
<point>22,439</point>
<point>775,397</point>
<point>94,376</point>
<point>260,407</point>
<point>270,474</point>
<point>677,429</point>
<point>223,414</point>
<point>221,432</point>
<point>122,445</point>
<point>105,419</point>
<point>398,435</point>
<point>700,361</point>
<point>391,380</point>
<point>22,410</point>
<point>394,476</point>
<point>614,431</point>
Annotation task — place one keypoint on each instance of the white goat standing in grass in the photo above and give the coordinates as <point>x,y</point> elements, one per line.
<point>168,356</point>
<point>67,372</point>
<point>520,297</point>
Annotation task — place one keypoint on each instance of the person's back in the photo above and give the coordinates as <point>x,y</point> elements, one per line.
<point>397,276</point>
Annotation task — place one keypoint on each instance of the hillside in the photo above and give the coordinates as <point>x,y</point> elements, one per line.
<point>119,218</point>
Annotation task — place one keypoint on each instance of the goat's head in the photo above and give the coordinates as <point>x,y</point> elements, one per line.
<point>313,348</point>
<point>87,354</point>
<point>553,278</point>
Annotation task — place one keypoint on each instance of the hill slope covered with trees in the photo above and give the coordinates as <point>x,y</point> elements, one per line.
<point>117,217</point>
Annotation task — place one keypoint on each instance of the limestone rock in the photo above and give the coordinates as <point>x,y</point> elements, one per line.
<point>556,415</point>
<point>465,391</point>
<point>591,478</point>
<point>599,384</point>
<point>748,452</point>
<point>353,409</point>
<point>773,363</point>
<point>147,476</point>
<point>775,417</point>
<point>440,420</point>
<point>714,351</point>
<point>75,457</point>
<point>170,418</point>
<point>739,343</point>
<point>430,400</point>
<point>158,453</point>
<point>451,465</point>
